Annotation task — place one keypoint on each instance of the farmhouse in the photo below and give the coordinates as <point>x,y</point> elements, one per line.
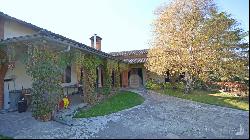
<point>17,37</point>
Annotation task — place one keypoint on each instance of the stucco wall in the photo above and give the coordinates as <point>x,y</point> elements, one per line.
<point>1,28</point>
<point>13,29</point>
<point>22,79</point>
<point>73,74</point>
<point>73,81</point>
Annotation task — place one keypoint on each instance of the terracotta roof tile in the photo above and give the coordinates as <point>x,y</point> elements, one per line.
<point>131,57</point>
<point>126,53</point>
<point>135,60</point>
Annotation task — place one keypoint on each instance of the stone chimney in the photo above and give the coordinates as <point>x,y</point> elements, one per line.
<point>96,42</point>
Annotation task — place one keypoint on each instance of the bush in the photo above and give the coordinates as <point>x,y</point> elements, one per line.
<point>42,112</point>
<point>180,85</point>
<point>167,85</point>
<point>177,85</point>
<point>103,90</point>
<point>214,86</point>
<point>199,84</point>
<point>153,85</point>
<point>246,82</point>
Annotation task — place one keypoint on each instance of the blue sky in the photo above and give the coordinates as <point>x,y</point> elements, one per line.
<point>123,24</point>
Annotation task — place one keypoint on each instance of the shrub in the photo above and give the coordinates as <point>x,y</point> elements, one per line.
<point>153,85</point>
<point>167,85</point>
<point>174,85</point>
<point>214,86</point>
<point>199,84</point>
<point>103,90</point>
<point>180,85</point>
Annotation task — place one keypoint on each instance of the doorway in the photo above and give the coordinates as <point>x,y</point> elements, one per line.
<point>135,77</point>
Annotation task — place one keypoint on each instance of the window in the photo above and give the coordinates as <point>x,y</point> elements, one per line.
<point>68,74</point>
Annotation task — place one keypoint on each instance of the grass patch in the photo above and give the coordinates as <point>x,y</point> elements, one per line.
<point>118,102</point>
<point>211,97</point>
<point>5,137</point>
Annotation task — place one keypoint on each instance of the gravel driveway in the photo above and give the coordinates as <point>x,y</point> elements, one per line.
<point>160,116</point>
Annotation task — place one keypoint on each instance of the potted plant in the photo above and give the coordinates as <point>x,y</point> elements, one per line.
<point>44,113</point>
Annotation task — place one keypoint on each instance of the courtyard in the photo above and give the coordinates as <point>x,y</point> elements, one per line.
<point>160,116</point>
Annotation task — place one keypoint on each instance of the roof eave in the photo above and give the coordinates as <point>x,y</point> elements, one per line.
<point>38,36</point>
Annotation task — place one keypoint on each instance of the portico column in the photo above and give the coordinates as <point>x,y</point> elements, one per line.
<point>3,70</point>
<point>99,77</point>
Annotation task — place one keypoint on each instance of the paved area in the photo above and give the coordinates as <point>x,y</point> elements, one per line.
<point>65,116</point>
<point>160,116</point>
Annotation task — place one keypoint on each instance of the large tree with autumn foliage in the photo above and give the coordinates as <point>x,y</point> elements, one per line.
<point>193,37</point>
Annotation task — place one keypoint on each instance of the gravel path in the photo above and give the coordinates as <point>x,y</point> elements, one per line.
<point>160,116</point>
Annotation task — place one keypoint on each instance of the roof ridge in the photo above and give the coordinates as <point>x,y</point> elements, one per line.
<point>49,33</point>
<point>130,51</point>
<point>42,31</point>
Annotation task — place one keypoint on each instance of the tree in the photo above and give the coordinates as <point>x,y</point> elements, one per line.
<point>192,37</point>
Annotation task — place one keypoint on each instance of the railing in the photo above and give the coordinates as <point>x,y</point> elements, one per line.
<point>71,86</point>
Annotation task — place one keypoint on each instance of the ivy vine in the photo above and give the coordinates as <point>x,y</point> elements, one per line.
<point>88,63</point>
<point>43,67</point>
<point>46,67</point>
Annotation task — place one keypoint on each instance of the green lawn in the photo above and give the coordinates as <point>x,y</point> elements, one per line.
<point>118,102</point>
<point>4,137</point>
<point>211,97</point>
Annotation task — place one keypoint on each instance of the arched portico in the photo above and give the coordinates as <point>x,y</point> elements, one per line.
<point>135,77</point>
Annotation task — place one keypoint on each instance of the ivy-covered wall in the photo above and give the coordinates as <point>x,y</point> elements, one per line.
<point>88,63</point>
<point>46,68</point>
<point>109,67</point>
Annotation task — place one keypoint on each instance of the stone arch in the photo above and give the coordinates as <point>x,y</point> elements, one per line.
<point>135,80</point>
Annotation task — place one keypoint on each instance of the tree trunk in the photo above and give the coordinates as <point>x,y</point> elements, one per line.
<point>189,83</point>
<point>174,80</point>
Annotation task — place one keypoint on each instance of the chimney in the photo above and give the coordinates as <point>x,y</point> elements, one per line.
<point>96,42</point>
